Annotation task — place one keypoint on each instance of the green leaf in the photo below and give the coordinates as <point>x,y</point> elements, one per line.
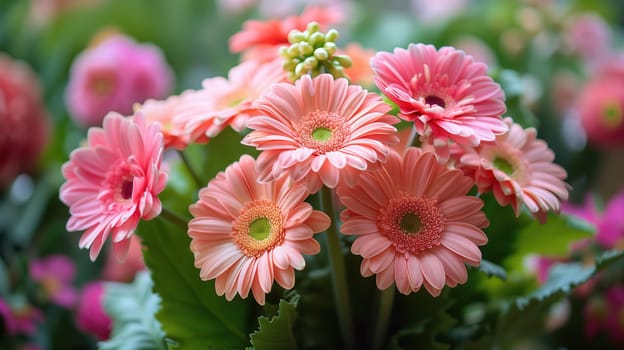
<point>491,269</point>
<point>277,332</point>
<point>132,308</point>
<point>192,315</point>
<point>423,319</point>
<point>563,277</point>
<point>522,319</point>
<point>552,239</point>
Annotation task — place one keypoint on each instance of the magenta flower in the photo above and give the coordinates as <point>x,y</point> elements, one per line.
<point>90,315</point>
<point>444,92</point>
<point>609,223</point>
<point>604,313</point>
<point>610,233</point>
<point>114,181</point>
<point>113,76</point>
<point>55,274</point>
<point>20,319</point>
<point>25,126</point>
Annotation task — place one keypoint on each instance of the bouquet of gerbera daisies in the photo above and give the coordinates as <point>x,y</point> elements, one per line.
<point>351,200</point>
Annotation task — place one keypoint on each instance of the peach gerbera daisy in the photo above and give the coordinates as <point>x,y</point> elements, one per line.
<point>114,181</point>
<point>247,234</point>
<point>444,92</point>
<point>320,129</point>
<point>224,102</point>
<point>414,223</point>
<point>518,169</point>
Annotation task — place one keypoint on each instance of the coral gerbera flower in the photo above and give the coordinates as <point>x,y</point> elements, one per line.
<point>518,169</point>
<point>444,92</point>
<point>114,181</point>
<point>247,234</point>
<point>164,113</point>
<point>414,223</point>
<point>260,40</point>
<point>320,129</point>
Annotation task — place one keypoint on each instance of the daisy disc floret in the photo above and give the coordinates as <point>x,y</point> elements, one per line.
<point>320,129</point>
<point>414,224</point>
<point>113,182</point>
<point>246,235</point>
<point>444,92</point>
<point>519,170</point>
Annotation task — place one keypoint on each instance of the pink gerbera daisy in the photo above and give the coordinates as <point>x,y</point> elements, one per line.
<point>247,234</point>
<point>444,92</point>
<point>414,223</point>
<point>320,129</point>
<point>224,102</point>
<point>114,181</point>
<point>518,169</point>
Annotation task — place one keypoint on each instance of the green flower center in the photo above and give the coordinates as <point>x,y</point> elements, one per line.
<point>411,224</point>
<point>612,114</point>
<point>260,229</point>
<point>503,165</point>
<point>321,134</point>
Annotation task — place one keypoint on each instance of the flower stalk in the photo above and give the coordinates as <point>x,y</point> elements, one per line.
<point>191,170</point>
<point>339,274</point>
<point>173,218</point>
<point>386,300</point>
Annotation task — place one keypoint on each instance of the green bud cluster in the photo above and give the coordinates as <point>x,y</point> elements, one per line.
<point>312,52</point>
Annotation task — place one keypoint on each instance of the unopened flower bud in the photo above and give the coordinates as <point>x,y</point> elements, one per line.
<point>321,54</point>
<point>331,35</point>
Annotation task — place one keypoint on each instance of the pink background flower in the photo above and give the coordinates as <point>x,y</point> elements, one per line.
<point>56,274</point>
<point>600,106</point>
<point>20,319</point>
<point>90,315</point>
<point>124,271</point>
<point>114,182</point>
<point>113,76</point>
<point>25,126</point>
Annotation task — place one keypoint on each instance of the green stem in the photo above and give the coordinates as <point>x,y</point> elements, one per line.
<point>339,273</point>
<point>191,170</point>
<point>386,299</point>
<point>413,139</point>
<point>174,218</point>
